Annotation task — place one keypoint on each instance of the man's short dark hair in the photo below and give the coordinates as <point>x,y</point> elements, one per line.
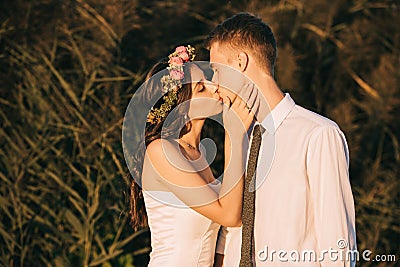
<point>244,31</point>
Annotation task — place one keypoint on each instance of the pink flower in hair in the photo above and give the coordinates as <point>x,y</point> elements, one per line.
<point>184,56</point>
<point>180,49</point>
<point>176,61</point>
<point>176,74</point>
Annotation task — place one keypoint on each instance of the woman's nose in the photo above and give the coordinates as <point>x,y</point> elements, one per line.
<point>213,87</point>
<point>214,78</point>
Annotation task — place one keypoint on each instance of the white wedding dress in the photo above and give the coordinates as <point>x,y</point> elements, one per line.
<point>179,235</point>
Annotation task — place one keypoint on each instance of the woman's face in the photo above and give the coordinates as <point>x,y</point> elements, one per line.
<point>205,101</point>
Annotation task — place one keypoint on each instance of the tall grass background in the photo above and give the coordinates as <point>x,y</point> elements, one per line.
<point>69,69</point>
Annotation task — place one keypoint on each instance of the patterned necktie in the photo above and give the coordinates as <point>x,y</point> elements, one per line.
<point>249,201</point>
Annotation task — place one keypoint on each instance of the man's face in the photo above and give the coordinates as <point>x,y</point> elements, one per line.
<point>227,74</point>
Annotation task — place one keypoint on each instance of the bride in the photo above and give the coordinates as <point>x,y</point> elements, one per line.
<point>180,199</point>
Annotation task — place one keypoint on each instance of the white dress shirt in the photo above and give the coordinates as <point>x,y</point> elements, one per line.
<point>304,210</point>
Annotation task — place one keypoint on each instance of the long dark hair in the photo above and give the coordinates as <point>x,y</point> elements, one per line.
<point>153,131</point>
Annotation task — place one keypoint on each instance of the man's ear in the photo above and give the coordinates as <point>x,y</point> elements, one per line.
<point>243,61</point>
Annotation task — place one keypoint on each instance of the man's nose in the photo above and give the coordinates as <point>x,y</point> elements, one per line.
<point>214,78</point>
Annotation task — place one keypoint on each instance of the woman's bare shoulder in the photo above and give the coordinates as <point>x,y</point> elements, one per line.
<point>162,149</point>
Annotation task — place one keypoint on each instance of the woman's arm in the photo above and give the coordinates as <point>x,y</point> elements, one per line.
<point>181,178</point>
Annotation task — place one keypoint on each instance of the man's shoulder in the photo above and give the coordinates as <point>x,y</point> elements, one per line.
<point>312,119</point>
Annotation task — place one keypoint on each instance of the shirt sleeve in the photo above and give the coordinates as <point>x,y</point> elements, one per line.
<point>332,198</point>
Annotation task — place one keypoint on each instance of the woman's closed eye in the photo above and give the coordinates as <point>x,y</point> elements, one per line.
<point>202,87</point>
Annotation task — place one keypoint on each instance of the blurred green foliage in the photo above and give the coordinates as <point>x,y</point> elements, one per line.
<point>69,68</point>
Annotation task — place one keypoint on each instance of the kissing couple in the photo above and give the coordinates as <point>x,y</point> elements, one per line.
<point>285,188</point>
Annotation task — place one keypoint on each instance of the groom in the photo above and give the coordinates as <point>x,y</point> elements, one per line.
<point>303,204</point>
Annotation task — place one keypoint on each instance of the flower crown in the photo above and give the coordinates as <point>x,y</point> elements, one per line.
<point>172,82</point>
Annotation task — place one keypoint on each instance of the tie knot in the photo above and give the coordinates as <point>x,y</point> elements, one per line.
<point>257,131</point>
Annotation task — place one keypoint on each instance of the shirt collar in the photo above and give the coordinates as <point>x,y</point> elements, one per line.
<point>275,118</point>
